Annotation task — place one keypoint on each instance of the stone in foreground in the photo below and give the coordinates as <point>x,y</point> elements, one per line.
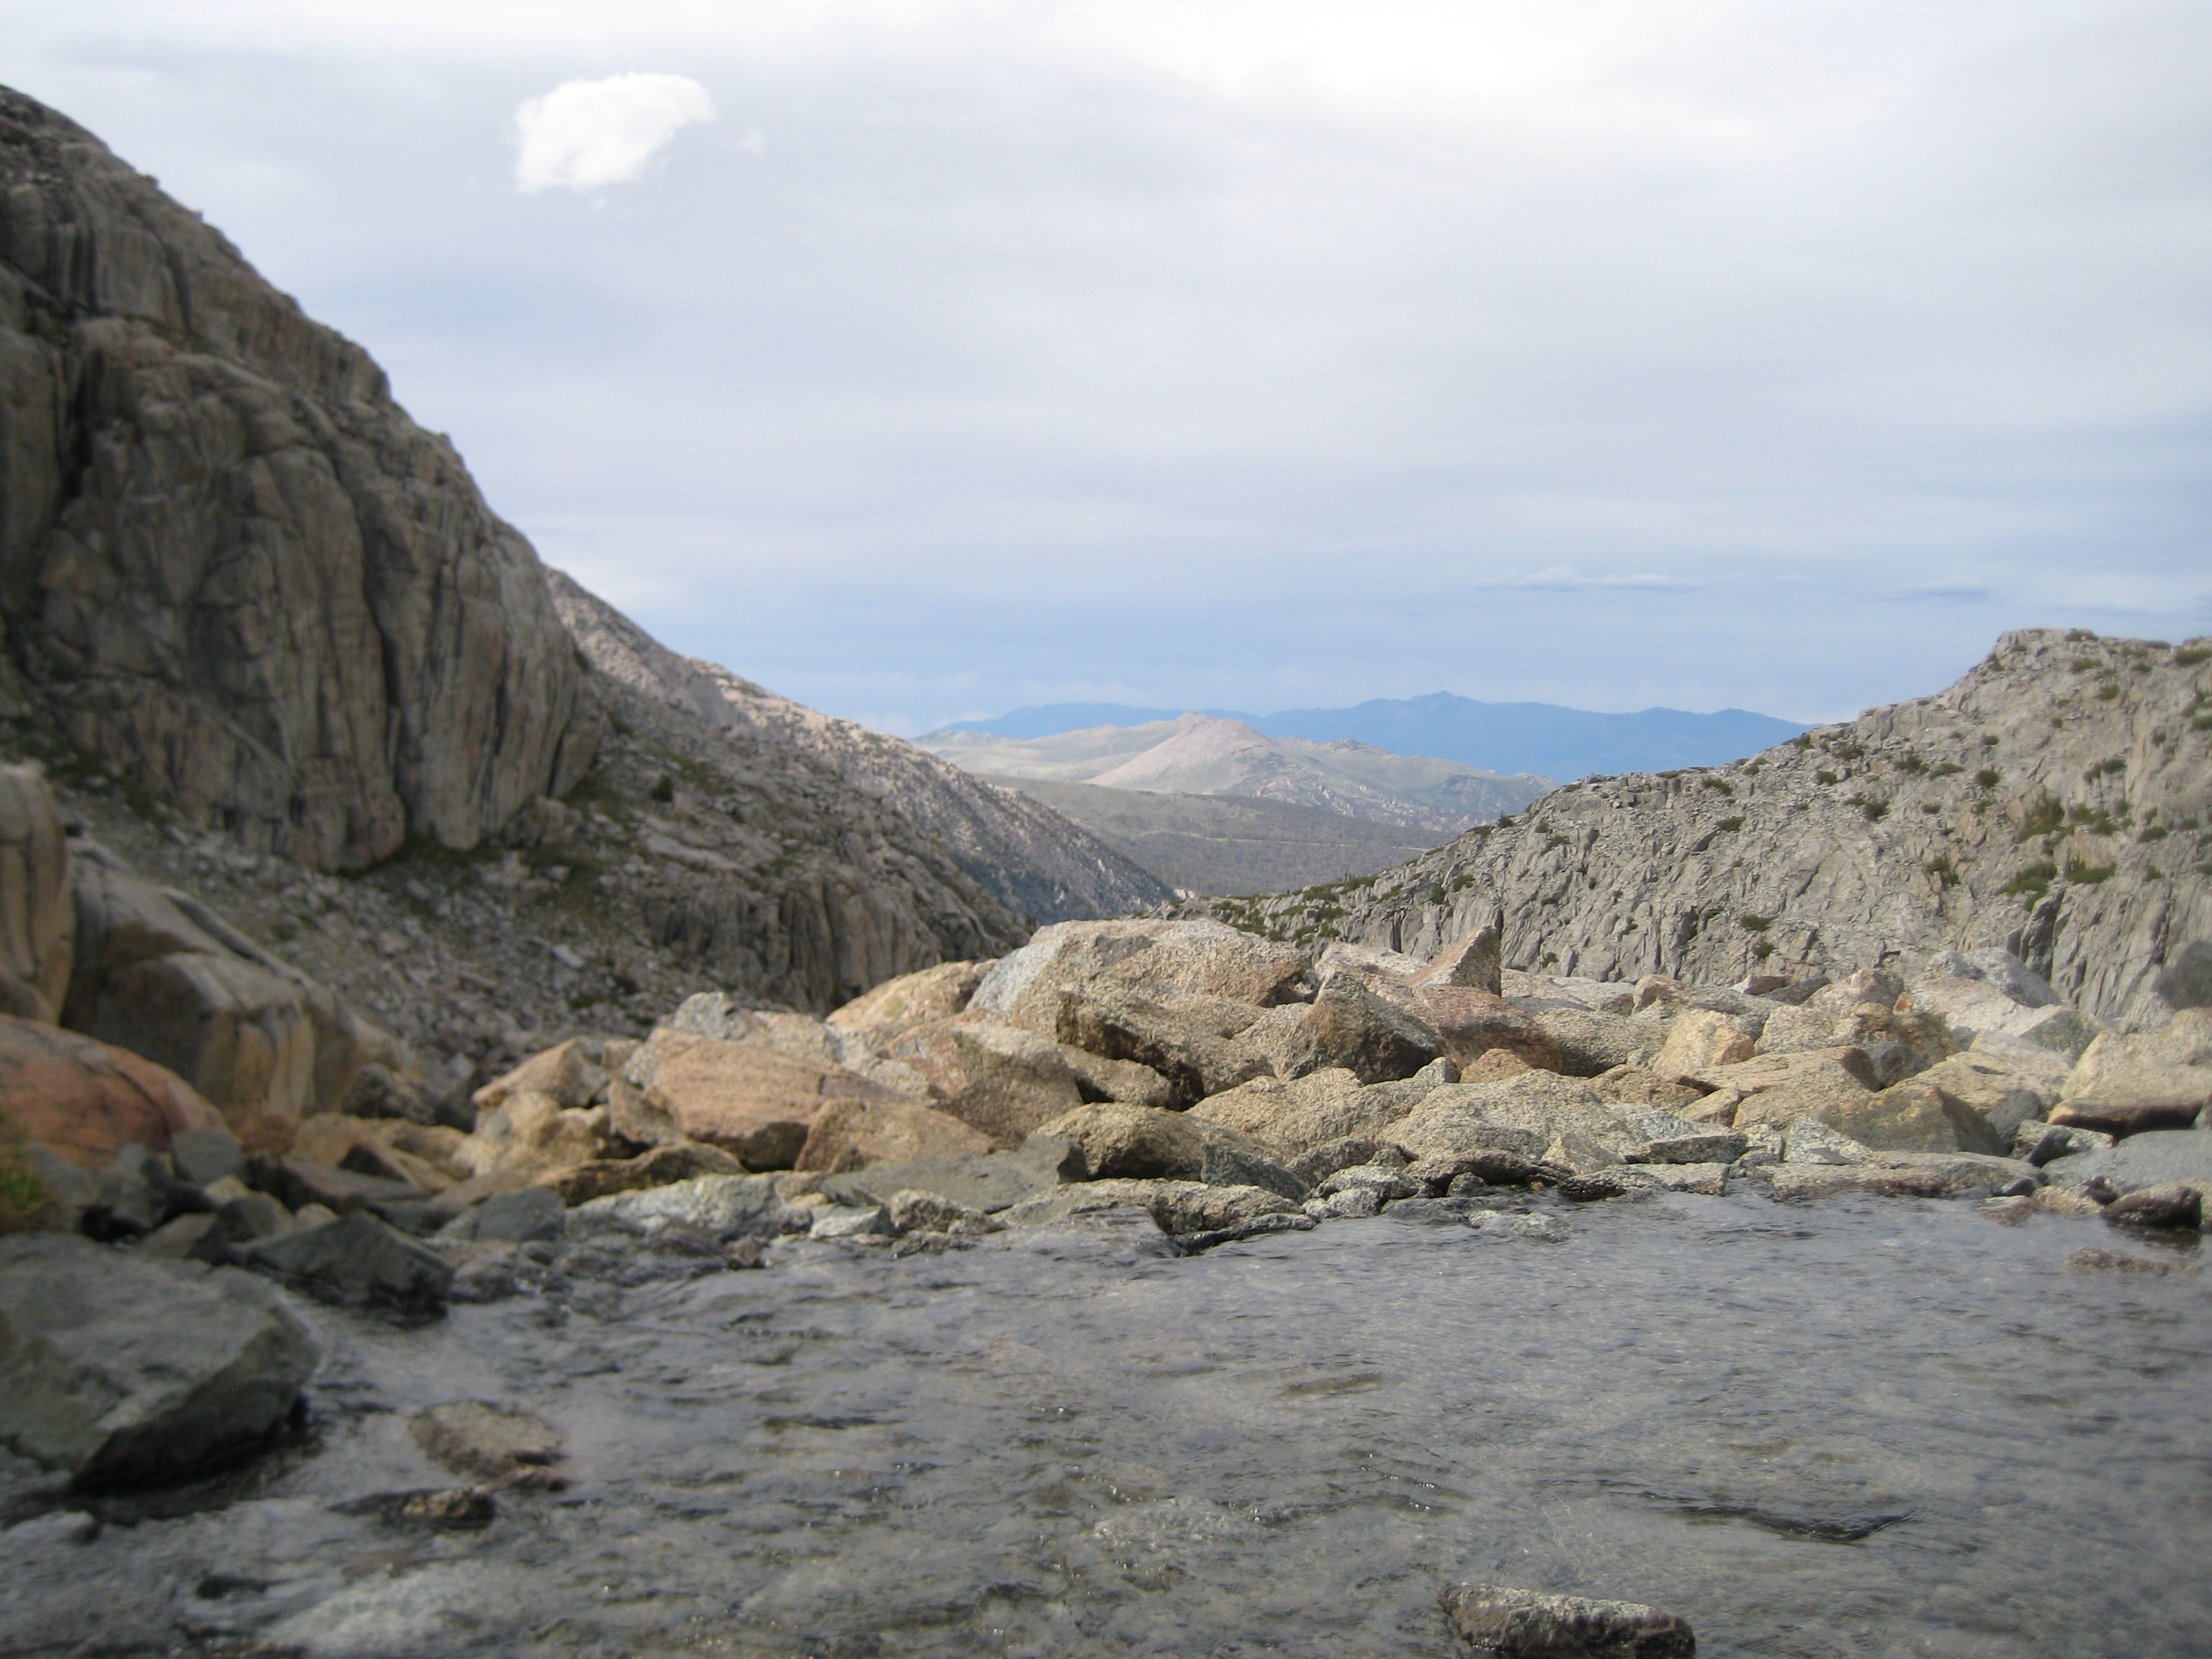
<point>1499,1622</point>
<point>358,1262</point>
<point>124,1372</point>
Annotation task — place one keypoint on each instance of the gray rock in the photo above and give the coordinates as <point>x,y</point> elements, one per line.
<point>913,1212</point>
<point>2043,1142</point>
<point>202,1156</point>
<point>527,1214</point>
<point>852,1221</point>
<point>1808,1140</point>
<point>2155,1159</point>
<point>122,1371</point>
<point>1386,1182</point>
<point>2172,1207</point>
<point>1348,1026</point>
<point>1591,1043</point>
<point>985,1181</point>
<point>1184,1042</point>
<point>358,1262</point>
<point>725,1206</point>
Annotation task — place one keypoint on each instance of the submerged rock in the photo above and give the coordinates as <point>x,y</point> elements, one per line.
<point>1499,1622</point>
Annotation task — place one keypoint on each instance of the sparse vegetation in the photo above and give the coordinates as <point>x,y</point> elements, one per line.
<point>1912,763</point>
<point>1756,924</point>
<point>1942,870</point>
<point>1721,784</point>
<point>1987,778</point>
<point>1824,776</point>
<point>2080,871</point>
<point>1872,809</point>
<point>24,1200</point>
<point>2190,655</point>
<point>2033,882</point>
<point>2108,690</point>
<point>2104,768</point>
<point>1728,826</point>
<point>2046,816</point>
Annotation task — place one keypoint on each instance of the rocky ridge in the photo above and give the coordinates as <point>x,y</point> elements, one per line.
<point>1208,755</point>
<point>1036,862</point>
<point>2052,803</point>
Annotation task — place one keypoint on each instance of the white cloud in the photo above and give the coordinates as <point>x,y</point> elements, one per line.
<point>586,134</point>
<point>1563,579</point>
<point>1947,587</point>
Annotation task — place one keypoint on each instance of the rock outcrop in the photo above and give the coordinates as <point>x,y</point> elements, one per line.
<point>231,568</point>
<point>1034,860</point>
<point>2053,803</point>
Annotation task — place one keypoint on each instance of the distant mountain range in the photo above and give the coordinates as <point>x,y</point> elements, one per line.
<point>1210,755</point>
<point>1538,737</point>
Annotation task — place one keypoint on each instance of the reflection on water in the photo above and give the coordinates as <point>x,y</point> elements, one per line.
<point>1861,1427</point>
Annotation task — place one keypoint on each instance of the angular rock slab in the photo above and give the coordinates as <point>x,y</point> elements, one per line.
<point>1499,1622</point>
<point>124,1372</point>
<point>358,1262</point>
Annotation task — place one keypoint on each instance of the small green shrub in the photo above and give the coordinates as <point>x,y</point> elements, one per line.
<point>2033,882</point>
<point>2153,832</point>
<point>2190,655</point>
<point>2108,690</point>
<point>24,1200</point>
<point>2046,817</point>
<point>2086,664</point>
<point>1728,826</point>
<point>2080,634</point>
<point>1824,776</point>
<point>1756,924</point>
<point>1986,778</point>
<point>1946,769</point>
<point>2088,873</point>
<point>1943,871</point>
<point>664,789</point>
<point>1989,740</point>
<point>1910,762</point>
<point>1874,811</point>
<point>1762,950</point>
<point>1721,784</point>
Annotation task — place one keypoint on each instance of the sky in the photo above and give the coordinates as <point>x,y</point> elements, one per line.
<point>923,359</point>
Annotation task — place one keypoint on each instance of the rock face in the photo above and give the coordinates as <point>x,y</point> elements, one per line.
<point>1032,859</point>
<point>231,567</point>
<point>2052,803</point>
<point>86,1100</point>
<point>122,1371</point>
<point>37,920</point>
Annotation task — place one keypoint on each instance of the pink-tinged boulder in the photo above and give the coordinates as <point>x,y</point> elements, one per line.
<point>852,1135</point>
<point>756,1103</point>
<point>909,1001</point>
<point>1159,961</point>
<point>1699,1039</point>
<point>87,1101</point>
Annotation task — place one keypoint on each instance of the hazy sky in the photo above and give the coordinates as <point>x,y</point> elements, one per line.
<point>922,359</point>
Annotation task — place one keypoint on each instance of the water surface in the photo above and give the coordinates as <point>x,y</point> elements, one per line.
<point>1855,1427</point>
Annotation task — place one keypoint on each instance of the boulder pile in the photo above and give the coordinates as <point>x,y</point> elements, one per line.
<point>1200,1083</point>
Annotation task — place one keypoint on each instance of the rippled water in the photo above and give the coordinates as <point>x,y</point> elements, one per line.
<point>1864,1427</point>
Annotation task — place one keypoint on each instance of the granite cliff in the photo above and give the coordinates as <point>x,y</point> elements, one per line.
<point>2052,802</point>
<point>231,567</point>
